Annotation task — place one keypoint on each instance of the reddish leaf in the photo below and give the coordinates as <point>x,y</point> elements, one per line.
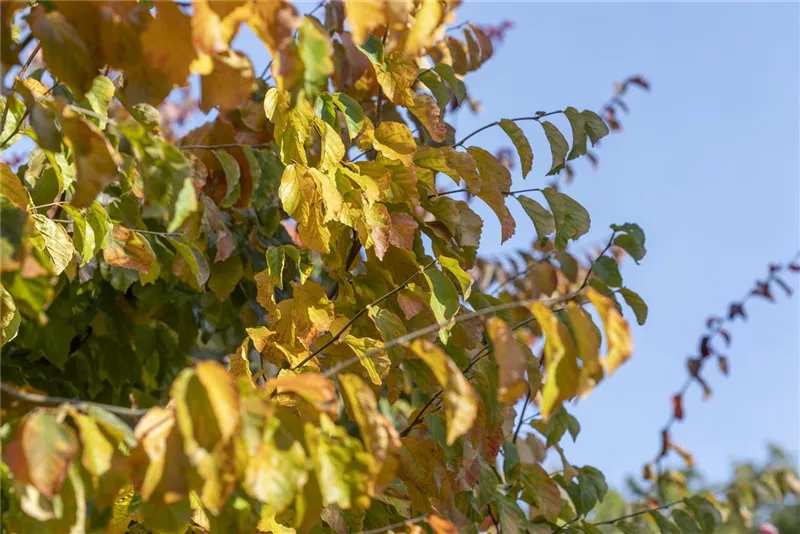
<point>640,81</point>
<point>723,364</point>
<point>794,267</point>
<point>677,407</point>
<point>665,441</point>
<point>705,386</point>
<point>705,347</point>
<point>762,289</point>
<point>694,366</point>
<point>726,336</point>
<point>737,308</point>
<point>713,321</point>
<point>773,267</point>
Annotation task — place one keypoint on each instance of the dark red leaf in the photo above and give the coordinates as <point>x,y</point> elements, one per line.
<point>620,103</point>
<point>784,286</point>
<point>773,267</point>
<point>726,336</point>
<point>677,407</point>
<point>713,320</point>
<point>794,267</point>
<point>640,81</point>
<point>723,364</point>
<point>762,289</point>
<point>705,347</point>
<point>737,308</point>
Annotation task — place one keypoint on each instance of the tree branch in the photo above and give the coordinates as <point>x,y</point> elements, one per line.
<point>636,514</point>
<point>130,414</point>
<point>361,312</point>
<point>7,106</point>
<point>407,522</point>
<point>522,415</point>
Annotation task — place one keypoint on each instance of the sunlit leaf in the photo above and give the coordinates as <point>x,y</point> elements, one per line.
<point>460,401</point>
<point>53,241</point>
<point>520,143</point>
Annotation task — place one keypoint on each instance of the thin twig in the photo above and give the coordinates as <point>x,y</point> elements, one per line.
<point>565,525</point>
<point>636,514</point>
<point>536,118</point>
<point>522,415</point>
<point>153,232</point>
<point>18,77</point>
<point>361,312</point>
<point>420,414</point>
<point>494,520</point>
<point>466,190</point>
<point>46,400</point>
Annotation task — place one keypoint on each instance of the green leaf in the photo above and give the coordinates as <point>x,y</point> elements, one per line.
<point>464,279</point>
<point>53,241</point>
<point>577,123</point>
<point>596,128</point>
<point>82,234</point>
<point>439,90</point>
<point>194,259</point>
<point>456,84</point>
<point>444,299</point>
<point>607,270</point>
<point>631,240</point>
<point>341,465</point>
<point>390,327</point>
<point>637,304</point>
<point>316,52</point>
<point>325,109</point>
<point>98,99</point>
<point>571,219</point>
<point>542,219</point>
<point>101,224</point>
<point>354,117</point>
<point>225,276</point>
<point>521,143</point>
<point>706,514</point>
<point>685,523</point>
<point>185,204</point>
<point>232,175</point>
<point>664,525</point>
<point>558,147</point>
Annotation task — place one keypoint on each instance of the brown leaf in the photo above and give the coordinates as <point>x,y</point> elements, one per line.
<point>311,387</point>
<point>722,361</point>
<point>737,309</point>
<point>677,407</point>
<point>126,249</point>
<point>510,359</point>
<point>167,43</point>
<point>41,452</point>
<point>439,525</point>
<point>229,84</point>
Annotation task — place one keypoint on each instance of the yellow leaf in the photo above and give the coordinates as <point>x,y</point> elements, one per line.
<point>303,192</point>
<point>395,141</point>
<point>618,336</point>
<point>440,525</point>
<point>167,43</point>
<point>587,342</point>
<point>428,112</point>
<point>53,241</point>
<point>510,359</point>
<point>314,388</point>
<point>560,364</point>
<point>12,189</point>
<point>229,84</point>
<point>126,249</point>
<point>274,23</point>
<point>364,17</point>
<point>495,180</point>
<point>158,464</point>
<point>380,438</point>
<point>332,148</point>
<point>239,363</point>
<point>214,23</point>
<point>312,312</point>
<point>427,28</point>
<point>379,224</point>
<point>96,161</point>
<point>460,401</point>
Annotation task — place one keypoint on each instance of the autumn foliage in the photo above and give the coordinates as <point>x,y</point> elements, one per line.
<point>279,322</point>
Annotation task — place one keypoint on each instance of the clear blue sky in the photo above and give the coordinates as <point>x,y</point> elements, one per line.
<point>708,166</point>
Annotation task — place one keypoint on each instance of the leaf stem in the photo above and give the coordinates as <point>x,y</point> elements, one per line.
<point>17,77</point>
<point>407,522</point>
<point>636,514</point>
<point>522,415</point>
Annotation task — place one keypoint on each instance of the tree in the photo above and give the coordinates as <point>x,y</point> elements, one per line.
<point>279,322</point>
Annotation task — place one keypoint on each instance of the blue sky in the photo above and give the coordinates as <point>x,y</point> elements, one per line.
<point>708,165</point>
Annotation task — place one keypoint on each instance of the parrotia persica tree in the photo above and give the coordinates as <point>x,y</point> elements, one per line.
<point>278,322</point>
